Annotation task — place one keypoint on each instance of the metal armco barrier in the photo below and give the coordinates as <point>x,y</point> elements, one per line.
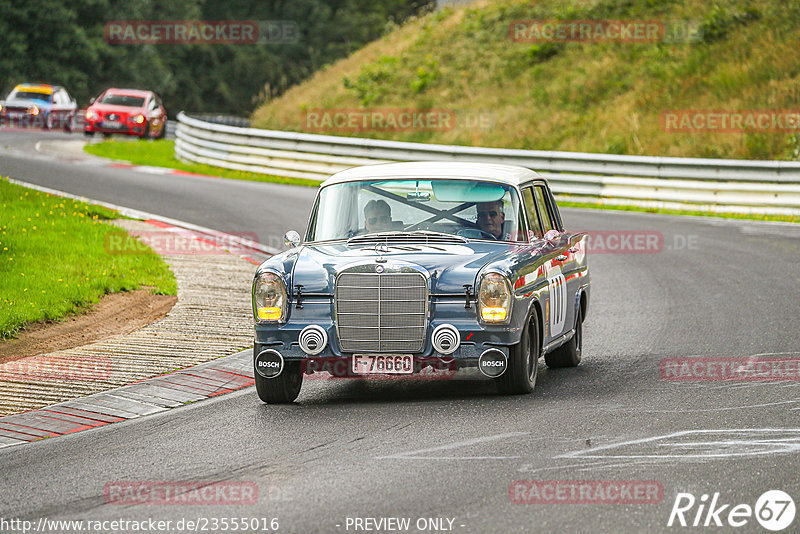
<point>708,184</point>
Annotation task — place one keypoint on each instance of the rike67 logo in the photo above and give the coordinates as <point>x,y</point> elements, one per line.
<point>774,510</point>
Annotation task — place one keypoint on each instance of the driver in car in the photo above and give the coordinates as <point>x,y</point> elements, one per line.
<point>377,216</point>
<point>491,218</point>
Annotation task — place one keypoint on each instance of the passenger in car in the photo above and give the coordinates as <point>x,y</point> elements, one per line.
<point>491,218</point>
<point>377,216</point>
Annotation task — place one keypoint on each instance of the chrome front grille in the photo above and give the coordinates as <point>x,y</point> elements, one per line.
<point>384,312</point>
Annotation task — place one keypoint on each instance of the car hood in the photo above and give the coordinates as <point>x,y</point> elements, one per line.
<point>111,108</point>
<point>450,266</point>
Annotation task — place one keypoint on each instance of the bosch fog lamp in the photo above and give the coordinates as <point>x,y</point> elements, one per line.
<point>494,298</point>
<point>269,298</point>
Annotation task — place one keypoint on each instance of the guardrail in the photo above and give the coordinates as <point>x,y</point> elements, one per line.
<point>748,186</point>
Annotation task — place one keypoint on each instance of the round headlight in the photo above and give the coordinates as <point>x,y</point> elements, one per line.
<point>494,298</point>
<point>269,298</point>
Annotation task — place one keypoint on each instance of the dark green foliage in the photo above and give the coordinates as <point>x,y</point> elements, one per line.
<point>721,20</point>
<point>62,43</point>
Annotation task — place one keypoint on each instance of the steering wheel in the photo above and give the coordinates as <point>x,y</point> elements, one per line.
<point>475,233</point>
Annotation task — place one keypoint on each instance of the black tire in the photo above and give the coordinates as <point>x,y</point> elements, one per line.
<point>523,362</point>
<point>88,134</point>
<point>163,133</point>
<point>284,388</point>
<point>568,354</point>
<point>146,133</point>
<point>106,135</point>
<point>49,122</point>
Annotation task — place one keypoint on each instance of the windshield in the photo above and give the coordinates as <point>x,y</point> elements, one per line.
<point>17,94</point>
<point>122,100</point>
<point>466,208</point>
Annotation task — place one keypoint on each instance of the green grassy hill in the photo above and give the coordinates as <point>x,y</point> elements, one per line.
<point>604,97</point>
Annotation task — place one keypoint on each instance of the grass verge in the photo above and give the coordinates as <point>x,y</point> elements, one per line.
<point>53,260</point>
<point>161,153</point>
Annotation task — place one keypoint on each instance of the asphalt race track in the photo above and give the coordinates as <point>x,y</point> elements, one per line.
<point>220,204</point>
<point>451,448</point>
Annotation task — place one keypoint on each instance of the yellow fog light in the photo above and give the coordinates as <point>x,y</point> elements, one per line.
<point>269,313</point>
<point>493,314</point>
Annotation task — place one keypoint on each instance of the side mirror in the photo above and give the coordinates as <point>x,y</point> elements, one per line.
<point>551,235</point>
<point>291,239</point>
<point>91,100</point>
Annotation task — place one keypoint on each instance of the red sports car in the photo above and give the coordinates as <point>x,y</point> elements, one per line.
<point>128,112</point>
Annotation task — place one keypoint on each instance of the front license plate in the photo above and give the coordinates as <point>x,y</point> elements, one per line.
<point>393,364</point>
<point>112,124</point>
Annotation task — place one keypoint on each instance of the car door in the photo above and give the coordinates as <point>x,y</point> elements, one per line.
<point>574,266</point>
<point>559,309</point>
<point>539,223</point>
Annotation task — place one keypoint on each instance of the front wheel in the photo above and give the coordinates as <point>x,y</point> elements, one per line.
<point>146,134</point>
<point>284,388</point>
<point>523,363</point>
<point>568,354</point>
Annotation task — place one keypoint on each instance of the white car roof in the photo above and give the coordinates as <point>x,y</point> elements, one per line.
<point>508,174</point>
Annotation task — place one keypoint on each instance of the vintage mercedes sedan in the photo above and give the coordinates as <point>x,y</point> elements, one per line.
<point>423,267</point>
